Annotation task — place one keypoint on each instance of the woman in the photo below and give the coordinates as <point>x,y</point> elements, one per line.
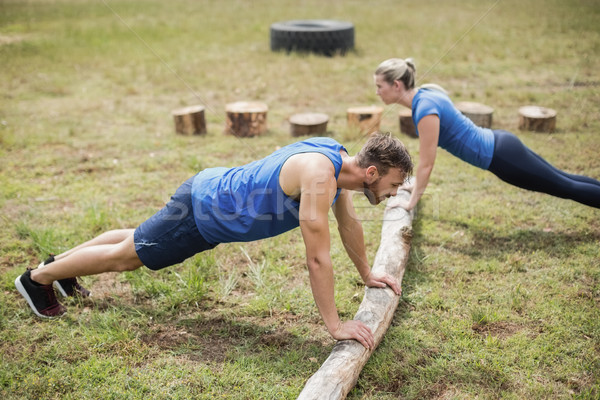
<point>439,123</point>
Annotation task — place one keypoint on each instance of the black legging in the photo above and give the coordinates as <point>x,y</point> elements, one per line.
<point>515,163</point>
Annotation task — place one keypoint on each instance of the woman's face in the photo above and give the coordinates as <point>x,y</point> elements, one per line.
<point>387,93</point>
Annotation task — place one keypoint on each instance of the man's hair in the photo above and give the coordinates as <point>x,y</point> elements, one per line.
<point>384,151</point>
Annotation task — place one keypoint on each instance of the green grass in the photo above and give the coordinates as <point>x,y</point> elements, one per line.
<point>502,291</point>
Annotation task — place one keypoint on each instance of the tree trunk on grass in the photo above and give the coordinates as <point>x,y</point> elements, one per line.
<point>480,114</point>
<point>407,125</point>
<point>189,120</point>
<point>339,373</point>
<point>308,124</point>
<point>538,119</point>
<point>366,119</point>
<point>245,119</point>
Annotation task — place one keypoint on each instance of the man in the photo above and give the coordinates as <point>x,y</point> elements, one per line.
<point>294,186</point>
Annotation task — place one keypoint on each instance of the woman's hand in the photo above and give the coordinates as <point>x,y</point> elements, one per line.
<point>407,205</point>
<point>408,185</point>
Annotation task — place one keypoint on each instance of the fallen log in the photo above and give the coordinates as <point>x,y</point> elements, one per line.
<point>339,373</point>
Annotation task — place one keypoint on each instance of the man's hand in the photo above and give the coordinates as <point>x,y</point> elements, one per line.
<point>382,281</point>
<point>356,330</point>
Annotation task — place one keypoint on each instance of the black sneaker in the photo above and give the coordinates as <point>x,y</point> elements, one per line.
<point>41,298</point>
<point>69,286</point>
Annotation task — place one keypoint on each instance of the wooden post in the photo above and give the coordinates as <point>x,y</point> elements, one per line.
<point>189,120</point>
<point>480,114</point>
<point>245,119</point>
<point>339,373</point>
<point>308,124</point>
<point>538,119</point>
<point>366,119</point>
<point>407,125</point>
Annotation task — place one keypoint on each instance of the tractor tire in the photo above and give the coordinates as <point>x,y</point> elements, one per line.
<point>318,36</point>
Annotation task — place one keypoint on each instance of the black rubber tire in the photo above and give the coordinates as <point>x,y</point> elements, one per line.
<point>319,36</point>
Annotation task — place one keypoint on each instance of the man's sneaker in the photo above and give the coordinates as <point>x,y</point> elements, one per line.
<point>69,286</point>
<point>41,298</point>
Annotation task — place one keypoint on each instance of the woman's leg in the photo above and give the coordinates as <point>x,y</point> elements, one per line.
<point>578,178</point>
<point>515,163</point>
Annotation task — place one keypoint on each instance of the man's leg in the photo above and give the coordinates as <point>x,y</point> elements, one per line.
<point>36,285</point>
<point>91,259</point>
<point>110,237</point>
<point>167,238</point>
<point>71,286</point>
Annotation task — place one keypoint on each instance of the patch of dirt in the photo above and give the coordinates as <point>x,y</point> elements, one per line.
<point>8,262</point>
<point>500,329</point>
<point>108,284</point>
<point>6,39</point>
<point>213,348</point>
<point>106,288</point>
<point>212,339</point>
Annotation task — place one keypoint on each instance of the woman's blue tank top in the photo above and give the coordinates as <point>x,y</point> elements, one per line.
<point>458,134</point>
<point>247,203</point>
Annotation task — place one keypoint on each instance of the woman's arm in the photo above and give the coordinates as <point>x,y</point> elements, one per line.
<point>429,133</point>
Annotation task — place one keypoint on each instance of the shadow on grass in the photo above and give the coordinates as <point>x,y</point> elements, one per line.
<point>414,275</point>
<point>409,355</point>
<point>533,240</point>
<point>219,339</point>
<point>495,243</point>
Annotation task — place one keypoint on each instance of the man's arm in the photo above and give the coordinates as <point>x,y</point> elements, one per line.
<point>352,235</point>
<point>318,188</point>
<point>351,232</point>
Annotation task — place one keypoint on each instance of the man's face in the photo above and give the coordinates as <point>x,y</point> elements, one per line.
<point>384,186</point>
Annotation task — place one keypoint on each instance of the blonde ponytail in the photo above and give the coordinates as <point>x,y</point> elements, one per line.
<point>434,86</point>
<point>397,69</point>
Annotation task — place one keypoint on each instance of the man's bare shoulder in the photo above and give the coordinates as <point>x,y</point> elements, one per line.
<point>303,167</point>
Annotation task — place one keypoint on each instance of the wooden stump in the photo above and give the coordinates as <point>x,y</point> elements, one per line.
<point>308,124</point>
<point>366,119</point>
<point>407,125</point>
<point>246,119</point>
<point>480,114</point>
<point>537,119</point>
<point>189,120</point>
<point>339,373</point>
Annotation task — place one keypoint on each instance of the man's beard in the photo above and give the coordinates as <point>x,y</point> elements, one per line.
<point>369,194</point>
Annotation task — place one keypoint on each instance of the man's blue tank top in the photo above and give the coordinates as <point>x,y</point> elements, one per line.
<point>247,203</point>
<point>458,134</point>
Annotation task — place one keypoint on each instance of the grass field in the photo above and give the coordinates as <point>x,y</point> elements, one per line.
<point>502,291</point>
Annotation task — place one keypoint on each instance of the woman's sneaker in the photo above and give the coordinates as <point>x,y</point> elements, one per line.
<point>69,286</point>
<point>41,298</point>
